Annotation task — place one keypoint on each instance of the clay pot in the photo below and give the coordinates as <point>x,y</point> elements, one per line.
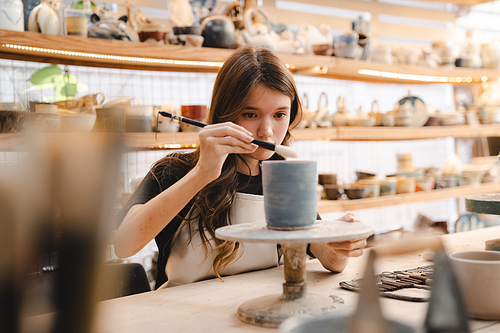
<point>195,112</point>
<point>477,275</point>
<point>290,197</point>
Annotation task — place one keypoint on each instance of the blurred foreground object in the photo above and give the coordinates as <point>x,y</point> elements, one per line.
<point>58,199</point>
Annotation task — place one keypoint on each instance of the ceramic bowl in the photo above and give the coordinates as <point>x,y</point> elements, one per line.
<point>333,192</point>
<point>323,49</point>
<point>388,186</point>
<point>364,175</point>
<point>327,179</point>
<point>44,122</point>
<point>478,274</point>
<point>357,192</point>
<point>77,122</point>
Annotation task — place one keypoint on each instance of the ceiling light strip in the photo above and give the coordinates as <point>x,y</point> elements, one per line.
<point>114,57</point>
<point>171,146</point>
<point>423,78</point>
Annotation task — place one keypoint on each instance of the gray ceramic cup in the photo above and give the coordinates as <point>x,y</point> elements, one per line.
<point>290,198</point>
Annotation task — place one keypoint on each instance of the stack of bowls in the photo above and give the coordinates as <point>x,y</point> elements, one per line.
<point>45,118</point>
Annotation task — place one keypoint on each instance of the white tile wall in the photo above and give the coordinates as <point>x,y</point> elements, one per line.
<point>343,158</point>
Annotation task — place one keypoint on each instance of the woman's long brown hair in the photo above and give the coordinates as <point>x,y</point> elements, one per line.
<point>241,73</point>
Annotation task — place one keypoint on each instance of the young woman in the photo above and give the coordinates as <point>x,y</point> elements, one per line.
<point>186,197</point>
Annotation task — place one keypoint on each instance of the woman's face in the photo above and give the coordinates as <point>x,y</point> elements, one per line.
<point>267,116</point>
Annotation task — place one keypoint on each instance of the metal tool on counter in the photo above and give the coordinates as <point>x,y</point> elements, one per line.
<point>280,149</point>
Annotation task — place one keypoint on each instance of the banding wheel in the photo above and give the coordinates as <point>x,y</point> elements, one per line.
<point>270,311</point>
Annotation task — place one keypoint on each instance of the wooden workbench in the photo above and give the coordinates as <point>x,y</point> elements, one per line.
<point>210,306</point>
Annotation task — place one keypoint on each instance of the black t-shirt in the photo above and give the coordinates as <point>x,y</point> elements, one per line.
<point>151,186</point>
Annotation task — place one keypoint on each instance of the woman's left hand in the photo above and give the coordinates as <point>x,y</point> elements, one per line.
<point>352,248</point>
<point>334,256</point>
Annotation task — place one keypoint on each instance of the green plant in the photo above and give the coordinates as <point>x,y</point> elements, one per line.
<point>64,84</point>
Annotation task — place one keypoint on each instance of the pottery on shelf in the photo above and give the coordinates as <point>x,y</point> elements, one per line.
<point>342,116</point>
<point>477,274</point>
<point>43,18</point>
<point>11,15</point>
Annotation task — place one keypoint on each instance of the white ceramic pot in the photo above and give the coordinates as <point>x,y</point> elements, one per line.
<point>478,274</point>
<point>11,15</point>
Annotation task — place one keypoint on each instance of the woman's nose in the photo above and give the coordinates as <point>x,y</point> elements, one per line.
<point>265,128</point>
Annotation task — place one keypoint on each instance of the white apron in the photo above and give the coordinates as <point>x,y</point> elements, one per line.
<point>189,262</point>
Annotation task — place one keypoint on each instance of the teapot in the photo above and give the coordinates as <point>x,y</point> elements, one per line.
<point>321,118</point>
<point>218,31</point>
<point>362,119</point>
<point>288,43</point>
<point>259,34</point>
<point>342,116</point>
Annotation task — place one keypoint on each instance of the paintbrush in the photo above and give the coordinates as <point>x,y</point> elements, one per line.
<point>279,149</point>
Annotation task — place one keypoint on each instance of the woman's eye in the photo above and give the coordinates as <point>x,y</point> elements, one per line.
<point>280,115</point>
<point>249,115</point>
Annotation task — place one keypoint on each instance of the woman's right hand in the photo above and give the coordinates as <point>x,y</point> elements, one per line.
<point>217,141</point>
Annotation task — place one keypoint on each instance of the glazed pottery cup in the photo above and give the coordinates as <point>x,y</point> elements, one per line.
<point>388,186</point>
<point>77,25</point>
<point>290,197</point>
<point>110,119</point>
<point>477,274</point>
<point>406,185</point>
<point>446,181</point>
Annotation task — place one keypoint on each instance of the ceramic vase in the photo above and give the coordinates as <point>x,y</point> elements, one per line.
<point>11,15</point>
<point>290,198</point>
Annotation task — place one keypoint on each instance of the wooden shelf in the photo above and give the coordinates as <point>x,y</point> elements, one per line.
<point>330,206</point>
<point>71,50</point>
<point>138,141</point>
<point>346,133</point>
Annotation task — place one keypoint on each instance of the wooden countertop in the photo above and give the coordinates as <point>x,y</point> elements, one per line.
<point>210,306</point>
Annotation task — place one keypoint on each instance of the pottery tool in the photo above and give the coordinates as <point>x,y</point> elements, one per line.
<point>279,149</point>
